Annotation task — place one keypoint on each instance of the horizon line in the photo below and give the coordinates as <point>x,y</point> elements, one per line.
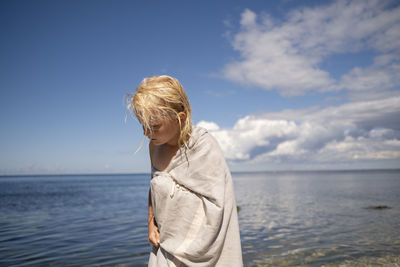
<point>256,171</point>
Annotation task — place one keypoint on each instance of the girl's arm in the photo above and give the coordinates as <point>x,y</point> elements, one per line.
<point>154,234</point>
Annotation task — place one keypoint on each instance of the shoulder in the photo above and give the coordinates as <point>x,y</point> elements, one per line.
<point>197,137</point>
<point>201,138</point>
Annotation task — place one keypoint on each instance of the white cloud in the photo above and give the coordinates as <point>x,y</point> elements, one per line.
<point>211,126</point>
<point>367,79</point>
<point>286,55</point>
<point>248,18</point>
<point>373,82</point>
<point>367,130</point>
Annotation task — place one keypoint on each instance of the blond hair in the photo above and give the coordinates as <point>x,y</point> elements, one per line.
<point>161,97</point>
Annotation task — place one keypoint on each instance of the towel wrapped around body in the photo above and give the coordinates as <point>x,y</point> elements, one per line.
<point>194,207</point>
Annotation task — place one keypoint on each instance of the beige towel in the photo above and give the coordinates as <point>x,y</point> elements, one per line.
<point>194,206</point>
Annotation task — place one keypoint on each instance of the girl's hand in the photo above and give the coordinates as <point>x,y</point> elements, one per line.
<point>154,234</point>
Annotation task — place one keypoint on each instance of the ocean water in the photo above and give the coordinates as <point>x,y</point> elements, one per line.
<point>348,218</point>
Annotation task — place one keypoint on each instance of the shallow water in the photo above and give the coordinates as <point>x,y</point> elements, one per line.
<point>286,219</point>
<point>73,220</point>
<point>317,218</point>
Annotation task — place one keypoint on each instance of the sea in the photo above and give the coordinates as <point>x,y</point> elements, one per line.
<point>302,218</point>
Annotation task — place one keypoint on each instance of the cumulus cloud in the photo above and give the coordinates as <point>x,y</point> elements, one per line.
<point>373,82</point>
<point>365,130</point>
<point>211,126</point>
<point>287,55</point>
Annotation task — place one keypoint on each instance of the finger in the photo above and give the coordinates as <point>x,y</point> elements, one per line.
<point>156,244</point>
<point>154,241</point>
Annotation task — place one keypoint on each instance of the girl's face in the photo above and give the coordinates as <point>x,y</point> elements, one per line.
<point>164,131</point>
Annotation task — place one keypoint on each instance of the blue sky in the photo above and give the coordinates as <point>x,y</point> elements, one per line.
<point>282,85</point>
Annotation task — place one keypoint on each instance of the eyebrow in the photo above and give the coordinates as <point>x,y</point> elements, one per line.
<point>155,125</point>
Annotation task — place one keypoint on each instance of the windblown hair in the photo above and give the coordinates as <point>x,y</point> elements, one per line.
<point>161,97</point>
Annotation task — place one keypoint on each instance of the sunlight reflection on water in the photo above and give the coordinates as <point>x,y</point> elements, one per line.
<point>286,219</point>
<point>314,218</point>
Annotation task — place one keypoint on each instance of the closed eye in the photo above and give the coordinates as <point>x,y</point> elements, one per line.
<point>155,127</point>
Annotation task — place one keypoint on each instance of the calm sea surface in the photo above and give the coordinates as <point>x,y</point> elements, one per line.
<point>286,219</point>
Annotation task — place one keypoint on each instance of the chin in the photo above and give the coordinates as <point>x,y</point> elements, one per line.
<point>156,142</point>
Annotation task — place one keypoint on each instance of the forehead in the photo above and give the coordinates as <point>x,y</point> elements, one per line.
<point>147,116</point>
<point>155,120</point>
<point>156,117</point>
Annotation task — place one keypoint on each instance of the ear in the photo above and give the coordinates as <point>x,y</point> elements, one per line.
<point>182,117</point>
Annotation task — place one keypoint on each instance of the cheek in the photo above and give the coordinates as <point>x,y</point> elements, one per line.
<point>170,131</point>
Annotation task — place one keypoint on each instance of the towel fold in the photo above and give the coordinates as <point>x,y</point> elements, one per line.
<point>194,206</point>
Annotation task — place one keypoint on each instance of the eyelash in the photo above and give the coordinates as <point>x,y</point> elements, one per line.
<point>153,128</point>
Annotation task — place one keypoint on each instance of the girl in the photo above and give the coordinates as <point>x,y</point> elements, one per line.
<point>192,217</point>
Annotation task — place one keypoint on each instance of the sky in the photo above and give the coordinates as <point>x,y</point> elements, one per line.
<point>282,85</point>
